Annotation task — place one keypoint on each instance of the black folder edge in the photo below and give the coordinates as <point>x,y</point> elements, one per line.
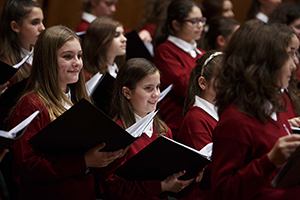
<point>78,130</point>
<point>160,159</point>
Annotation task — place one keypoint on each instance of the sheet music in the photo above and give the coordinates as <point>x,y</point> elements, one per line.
<point>91,84</point>
<point>165,92</point>
<point>16,66</point>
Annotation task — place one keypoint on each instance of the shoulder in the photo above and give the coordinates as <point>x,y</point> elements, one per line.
<point>119,122</point>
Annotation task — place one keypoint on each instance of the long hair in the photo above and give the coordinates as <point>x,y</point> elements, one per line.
<point>285,13</point>
<point>223,26</point>
<point>10,45</point>
<point>252,65</point>
<point>43,80</point>
<point>177,10</point>
<point>253,10</point>
<point>134,71</point>
<point>98,35</point>
<point>212,9</point>
<point>208,71</point>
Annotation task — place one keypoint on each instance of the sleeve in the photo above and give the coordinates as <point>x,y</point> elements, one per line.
<point>31,163</point>
<point>235,175</point>
<point>172,69</point>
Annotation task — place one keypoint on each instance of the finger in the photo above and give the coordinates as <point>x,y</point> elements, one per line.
<point>99,146</point>
<point>177,175</point>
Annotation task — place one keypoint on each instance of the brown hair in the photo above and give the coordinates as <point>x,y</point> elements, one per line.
<point>134,70</point>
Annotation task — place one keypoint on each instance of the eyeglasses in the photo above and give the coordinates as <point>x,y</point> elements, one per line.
<point>194,21</point>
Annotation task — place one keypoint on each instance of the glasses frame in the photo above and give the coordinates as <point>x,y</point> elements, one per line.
<point>194,21</point>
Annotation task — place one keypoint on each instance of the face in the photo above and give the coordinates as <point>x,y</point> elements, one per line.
<point>146,94</point>
<point>31,28</point>
<point>296,26</point>
<point>69,60</point>
<point>117,47</point>
<point>227,9</point>
<point>289,66</point>
<point>268,6</point>
<point>188,31</point>
<point>105,8</point>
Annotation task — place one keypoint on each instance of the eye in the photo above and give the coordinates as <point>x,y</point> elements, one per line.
<point>67,56</point>
<point>117,34</point>
<point>79,56</point>
<point>108,4</point>
<point>35,22</point>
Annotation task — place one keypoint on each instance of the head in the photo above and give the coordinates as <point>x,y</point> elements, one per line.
<point>202,79</point>
<point>264,6</point>
<point>56,63</point>
<point>100,8</point>
<point>251,75</point>
<point>217,8</point>
<point>220,32</point>
<point>185,20</point>
<point>289,14</point>
<point>104,38</point>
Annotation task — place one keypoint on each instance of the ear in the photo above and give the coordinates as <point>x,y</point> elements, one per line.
<point>202,82</point>
<point>126,92</point>
<point>221,41</point>
<point>176,25</point>
<point>15,26</point>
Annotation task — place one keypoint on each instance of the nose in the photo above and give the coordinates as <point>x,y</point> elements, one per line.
<point>113,8</point>
<point>294,64</point>
<point>231,13</point>
<point>42,27</point>
<point>124,39</point>
<point>156,92</point>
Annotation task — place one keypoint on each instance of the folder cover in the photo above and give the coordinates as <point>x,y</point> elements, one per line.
<point>162,158</point>
<point>79,129</point>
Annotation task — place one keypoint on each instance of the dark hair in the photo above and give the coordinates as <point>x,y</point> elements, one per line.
<point>253,61</point>
<point>208,73</point>
<point>87,6</point>
<point>134,71</point>
<point>253,10</point>
<point>10,46</point>
<point>212,9</point>
<point>177,10</point>
<point>285,13</point>
<point>219,26</point>
<point>98,35</point>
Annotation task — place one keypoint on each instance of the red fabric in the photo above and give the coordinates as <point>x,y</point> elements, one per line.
<point>291,111</point>
<point>43,176</point>
<point>240,166</point>
<point>118,188</point>
<point>197,131</point>
<point>175,66</point>
<point>150,28</point>
<point>82,26</point>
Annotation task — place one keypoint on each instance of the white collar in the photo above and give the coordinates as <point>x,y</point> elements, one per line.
<point>25,52</point>
<point>149,129</point>
<point>273,115</point>
<point>207,107</point>
<point>88,17</point>
<point>65,104</point>
<point>113,70</point>
<point>263,17</point>
<point>185,46</point>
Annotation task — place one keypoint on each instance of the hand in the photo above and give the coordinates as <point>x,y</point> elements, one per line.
<point>199,176</point>
<point>295,122</point>
<point>283,149</point>
<point>145,36</point>
<point>3,87</point>
<point>124,151</point>
<point>95,158</point>
<point>172,184</point>
<point>2,154</point>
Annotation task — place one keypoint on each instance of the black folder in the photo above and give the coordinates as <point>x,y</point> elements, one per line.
<point>160,159</point>
<point>7,72</point>
<point>135,47</point>
<point>79,129</point>
<point>102,95</point>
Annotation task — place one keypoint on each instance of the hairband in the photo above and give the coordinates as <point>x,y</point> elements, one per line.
<point>209,59</point>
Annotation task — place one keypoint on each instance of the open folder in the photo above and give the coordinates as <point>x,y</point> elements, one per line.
<point>162,158</point>
<point>8,71</point>
<point>8,137</point>
<point>82,127</point>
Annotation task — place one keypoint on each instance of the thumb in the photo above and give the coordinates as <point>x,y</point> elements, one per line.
<point>177,175</point>
<point>99,146</point>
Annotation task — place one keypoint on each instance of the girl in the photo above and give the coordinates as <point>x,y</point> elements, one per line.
<point>135,95</point>
<point>177,55</point>
<point>57,81</point>
<point>219,33</point>
<point>21,24</point>
<point>103,42</point>
<point>252,139</point>
<point>200,113</point>
<point>261,10</point>
<point>217,8</point>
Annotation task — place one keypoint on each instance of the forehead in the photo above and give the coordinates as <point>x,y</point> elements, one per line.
<point>35,12</point>
<point>227,4</point>
<point>195,12</point>
<point>112,2</point>
<point>72,45</point>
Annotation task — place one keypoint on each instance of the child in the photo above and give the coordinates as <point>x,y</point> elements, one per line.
<point>176,56</point>
<point>57,81</point>
<point>21,24</point>
<point>200,113</point>
<point>252,139</point>
<point>103,42</point>
<point>217,8</point>
<point>261,10</point>
<point>137,90</point>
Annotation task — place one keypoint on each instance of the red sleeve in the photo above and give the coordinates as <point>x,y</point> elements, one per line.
<point>33,164</point>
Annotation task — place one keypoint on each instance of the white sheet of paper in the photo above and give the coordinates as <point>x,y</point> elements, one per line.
<point>91,84</point>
